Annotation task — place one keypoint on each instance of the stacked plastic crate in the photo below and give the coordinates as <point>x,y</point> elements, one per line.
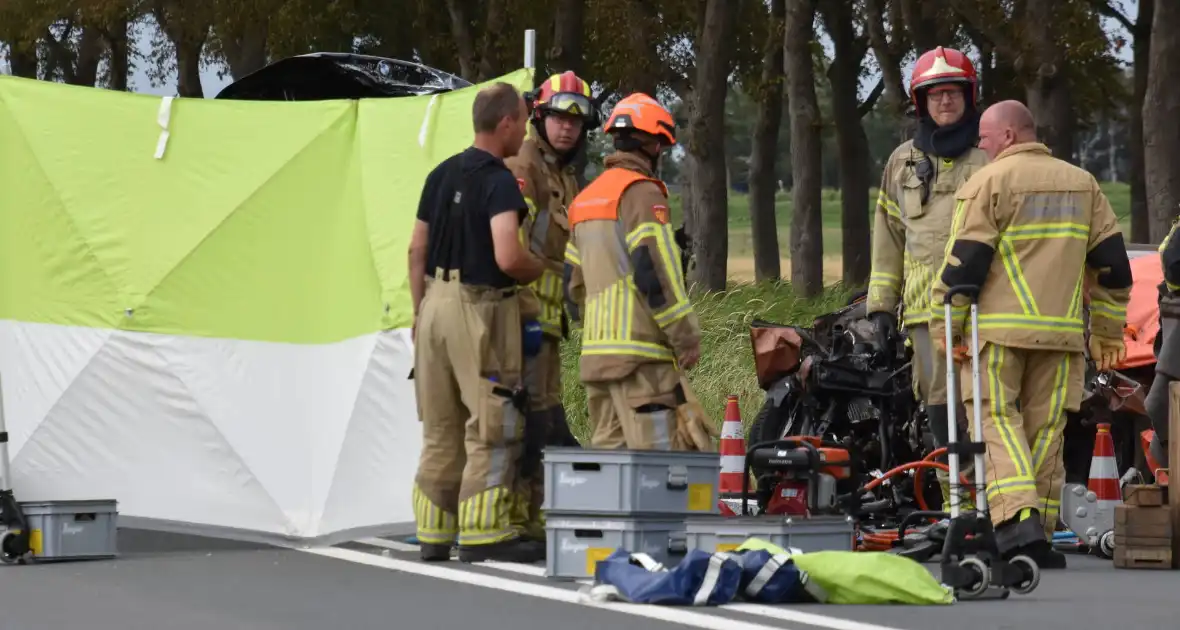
<point>598,501</point>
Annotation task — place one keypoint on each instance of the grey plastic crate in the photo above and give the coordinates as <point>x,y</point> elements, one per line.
<point>72,530</point>
<point>576,543</point>
<point>603,481</point>
<point>818,533</point>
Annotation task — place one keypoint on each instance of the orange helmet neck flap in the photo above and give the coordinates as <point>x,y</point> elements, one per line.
<point>942,66</point>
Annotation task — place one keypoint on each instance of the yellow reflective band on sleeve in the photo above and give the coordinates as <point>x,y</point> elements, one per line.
<point>550,293</point>
<point>888,205</point>
<point>1056,423</point>
<point>1108,310</point>
<point>1011,485</point>
<point>1016,448</point>
<point>669,258</point>
<point>1049,507</point>
<point>885,280</point>
<point>1016,277</point>
<point>571,254</point>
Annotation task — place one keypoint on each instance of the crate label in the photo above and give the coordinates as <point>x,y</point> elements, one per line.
<point>700,497</point>
<point>594,555</point>
<point>36,542</point>
<point>724,547</point>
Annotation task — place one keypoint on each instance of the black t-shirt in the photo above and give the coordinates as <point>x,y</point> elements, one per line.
<point>461,236</point>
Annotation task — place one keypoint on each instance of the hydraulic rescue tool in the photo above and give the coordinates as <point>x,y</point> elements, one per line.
<point>14,541</point>
<point>971,562</point>
<point>799,476</point>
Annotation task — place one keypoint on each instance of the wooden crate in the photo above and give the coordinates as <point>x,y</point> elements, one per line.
<point>1143,534</point>
<point>1143,495</point>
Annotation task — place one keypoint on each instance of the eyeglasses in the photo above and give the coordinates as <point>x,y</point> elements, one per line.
<point>945,95</point>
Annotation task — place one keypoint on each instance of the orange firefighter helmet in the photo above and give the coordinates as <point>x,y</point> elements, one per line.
<point>943,65</point>
<point>640,112</point>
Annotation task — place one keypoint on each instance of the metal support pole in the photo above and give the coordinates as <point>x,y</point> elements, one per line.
<point>530,48</point>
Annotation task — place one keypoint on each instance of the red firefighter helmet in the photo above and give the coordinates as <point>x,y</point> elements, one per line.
<point>943,65</point>
<point>564,93</point>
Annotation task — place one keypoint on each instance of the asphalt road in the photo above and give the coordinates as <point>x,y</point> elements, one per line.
<point>170,582</point>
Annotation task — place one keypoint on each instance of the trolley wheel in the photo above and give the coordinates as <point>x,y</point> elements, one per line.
<point>1105,546</point>
<point>9,554</point>
<point>1032,574</point>
<point>982,574</point>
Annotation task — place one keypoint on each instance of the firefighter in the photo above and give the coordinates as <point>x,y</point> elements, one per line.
<point>913,219</point>
<point>625,284</point>
<point>562,114</point>
<point>466,266</point>
<point>1031,230</point>
<point>1167,346</point>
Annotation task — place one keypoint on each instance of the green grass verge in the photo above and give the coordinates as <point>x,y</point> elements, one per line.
<point>727,359</point>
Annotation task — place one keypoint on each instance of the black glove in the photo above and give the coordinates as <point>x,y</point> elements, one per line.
<point>886,325</point>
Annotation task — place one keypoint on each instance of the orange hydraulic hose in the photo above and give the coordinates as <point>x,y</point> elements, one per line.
<point>883,540</point>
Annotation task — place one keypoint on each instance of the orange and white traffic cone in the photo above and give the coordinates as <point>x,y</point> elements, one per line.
<point>733,456</point>
<point>1104,471</point>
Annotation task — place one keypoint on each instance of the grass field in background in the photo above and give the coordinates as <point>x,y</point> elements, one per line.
<point>741,243</point>
<point>727,360</point>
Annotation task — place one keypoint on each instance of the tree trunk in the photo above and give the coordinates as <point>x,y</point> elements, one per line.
<point>22,57</point>
<point>1048,91</point>
<point>1140,219</point>
<point>188,35</point>
<point>119,46</point>
<point>188,69</point>
<point>490,65</point>
<point>88,56</point>
<point>1161,110</point>
<point>764,150</point>
<point>889,52</point>
<point>851,140</point>
<point>245,50</point>
<point>807,244</point>
<point>707,144</point>
<point>568,25</point>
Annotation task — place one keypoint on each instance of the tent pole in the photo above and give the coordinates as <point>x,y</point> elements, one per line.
<point>530,48</point>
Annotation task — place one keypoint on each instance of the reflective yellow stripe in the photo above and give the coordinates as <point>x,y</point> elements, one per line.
<point>1017,449</point>
<point>550,293</point>
<point>1048,323</point>
<point>1011,485</point>
<point>485,518</point>
<point>1075,303</point>
<point>571,254</point>
<point>888,205</point>
<point>669,259</point>
<point>1016,277</point>
<point>1108,310</point>
<point>435,525</point>
<point>1049,507</point>
<point>1036,231</point>
<point>1056,422</point>
<point>630,348</point>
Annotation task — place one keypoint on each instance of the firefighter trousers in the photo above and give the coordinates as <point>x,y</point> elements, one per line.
<point>1024,461</point>
<point>545,426</point>
<point>652,408</point>
<point>467,365</point>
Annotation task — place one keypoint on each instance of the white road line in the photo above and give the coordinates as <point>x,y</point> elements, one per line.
<point>677,615</point>
<point>387,544</point>
<point>523,569</point>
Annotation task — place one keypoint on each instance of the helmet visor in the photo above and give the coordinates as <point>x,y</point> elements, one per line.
<point>570,103</point>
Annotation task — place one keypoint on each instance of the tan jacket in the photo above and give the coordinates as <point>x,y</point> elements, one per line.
<point>909,236</point>
<point>1028,228</point>
<point>1169,251</point>
<point>625,285</point>
<point>548,189</point>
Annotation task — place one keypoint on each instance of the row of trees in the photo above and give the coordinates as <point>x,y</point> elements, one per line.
<point>695,55</point>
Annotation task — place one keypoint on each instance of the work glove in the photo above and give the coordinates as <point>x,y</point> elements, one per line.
<point>886,324</point>
<point>1107,352</point>
<point>694,429</point>
<point>532,336</point>
<point>959,354</point>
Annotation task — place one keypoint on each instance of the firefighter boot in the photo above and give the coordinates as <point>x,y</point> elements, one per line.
<point>434,553</point>
<point>518,550</point>
<point>1024,534</point>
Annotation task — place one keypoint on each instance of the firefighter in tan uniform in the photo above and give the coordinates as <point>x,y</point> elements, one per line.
<point>466,268</point>
<point>625,284</point>
<point>1030,230</point>
<point>562,114</point>
<point>1167,346</point>
<point>913,218</point>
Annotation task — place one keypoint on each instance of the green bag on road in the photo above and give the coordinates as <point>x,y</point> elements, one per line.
<point>864,577</point>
